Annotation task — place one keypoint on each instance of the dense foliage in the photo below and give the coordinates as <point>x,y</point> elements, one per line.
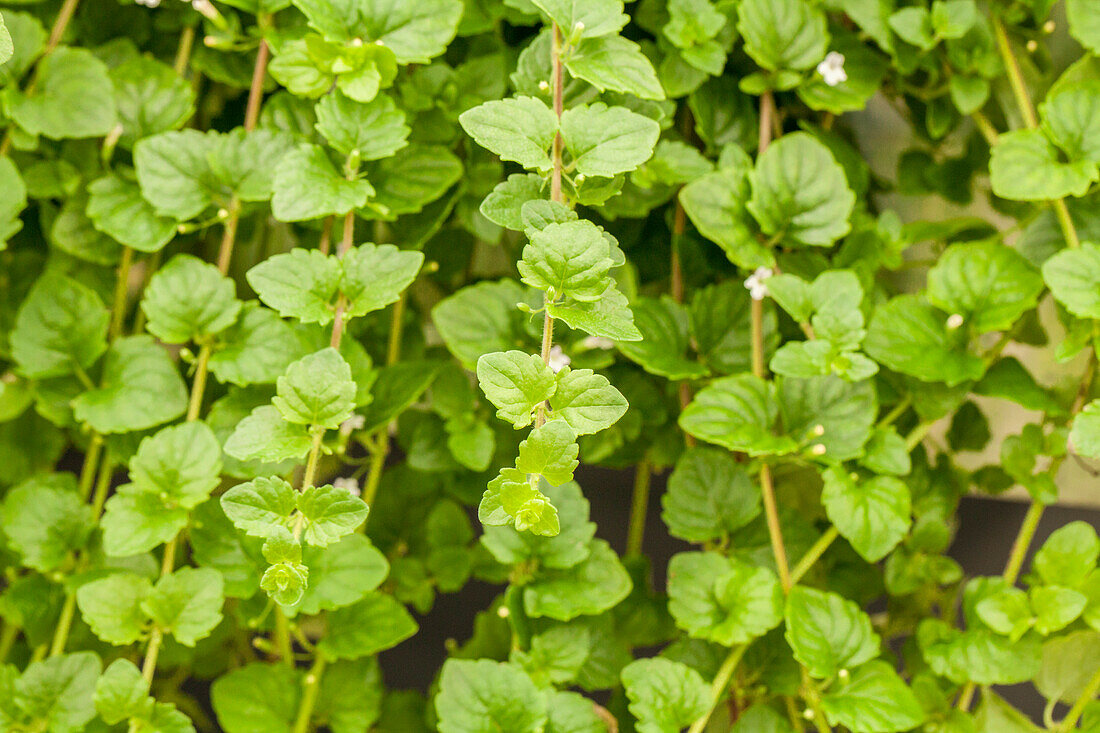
<point>310,309</point>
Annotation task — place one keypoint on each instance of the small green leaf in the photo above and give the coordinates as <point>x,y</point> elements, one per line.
<point>151,98</point>
<point>1068,555</point>
<point>800,195</point>
<point>550,451</point>
<point>1024,166</point>
<point>616,64</point>
<point>73,97</point>
<point>872,514</point>
<point>265,436</point>
<point>663,349</point>
<point>991,285</point>
<point>116,208</point>
<point>721,599</point>
<point>189,300</point>
<point>597,18</point>
<point>737,413</point>
<point>61,327</point>
<point>375,276</point>
<point>373,130</point>
<point>374,624</point>
<point>586,401</point>
<point>569,258</point>
<point>181,463</point>
<point>664,695</point>
<point>44,519</point>
<point>592,586</point>
<point>709,496</point>
<point>516,383</point>
<point>330,514</point>
<point>301,284</point>
<point>715,203</point>
<point>308,186</point>
<point>873,700</point>
<point>482,696</point>
<point>140,389</point>
<point>605,141</point>
<point>783,34</point>
<point>827,632</point>
<point>518,129</point>
<point>136,521</point>
<point>1068,662</point>
<point>57,693</point>
<point>111,606</point>
<point>121,693</point>
<point>187,604</point>
<point>316,390</point>
<point>1073,276</point>
<point>257,697</point>
<point>260,507</point>
<point>1084,23</point>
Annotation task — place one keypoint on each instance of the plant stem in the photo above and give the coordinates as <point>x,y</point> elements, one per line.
<point>311,462</point>
<point>638,506</point>
<point>1023,542</point>
<point>183,50</point>
<point>1092,688</point>
<point>198,386</point>
<point>382,449</point>
<point>91,460</point>
<point>282,637</point>
<point>326,235</point>
<point>310,687</point>
<point>118,309</point>
<point>718,687</point>
<point>814,554</point>
<point>64,623</point>
<point>151,267</point>
<point>341,302</point>
<point>897,411</point>
<point>813,698</point>
<point>7,640</point>
<point>918,434</point>
<point>106,473</point>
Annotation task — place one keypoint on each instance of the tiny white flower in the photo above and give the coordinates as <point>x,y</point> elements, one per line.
<point>351,485</point>
<point>558,359</point>
<point>598,342</point>
<point>832,69</point>
<point>148,3</point>
<point>819,430</point>
<point>353,423</point>
<point>819,449</point>
<point>755,283</point>
<point>356,42</point>
<point>544,86</point>
<point>954,321</point>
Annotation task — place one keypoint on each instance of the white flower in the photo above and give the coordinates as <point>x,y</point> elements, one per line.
<point>351,485</point>
<point>148,3</point>
<point>558,359</point>
<point>832,68</point>
<point>755,283</point>
<point>353,423</point>
<point>597,342</point>
<point>954,321</point>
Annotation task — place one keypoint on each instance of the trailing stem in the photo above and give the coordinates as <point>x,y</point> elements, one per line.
<point>638,506</point>
<point>718,687</point>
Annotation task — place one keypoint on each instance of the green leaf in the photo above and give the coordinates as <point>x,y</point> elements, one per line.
<point>586,401</point>
<point>605,141</point>
<point>664,695</point>
<point>594,585</point>
<point>285,582</point>
<point>60,328</point>
<point>1068,555</point>
<point>260,507</point>
<point>873,700</point>
<point>519,129</point>
<point>415,33</point>
<point>512,498</point>
<point>721,599</point>
<point>398,386</point>
<point>342,573</point>
<point>373,130</point>
<point>44,519</point>
<point>737,413</point>
<point>116,208</point>
<point>73,97</point>
<point>265,436</point>
<point>7,49</point>
<point>187,604</point>
<point>374,624</point>
<point>140,389</point>
<point>189,300</point>
<point>257,697</point>
<point>783,34</point>
<point>662,351</point>
<point>914,26</point>
<point>308,186</point>
<point>300,284</point>
<point>330,513</point>
<point>709,496</point>
<point>609,317</point>
<point>151,98</point>
<point>1069,118</point>
<point>908,335</point>
<point>121,693</point>
<point>516,383</point>
<point>550,451</point>
<point>977,655</point>
<point>827,632</point>
<point>613,63</point>
<point>1073,276</point>
<point>1068,663</point>
<point>1085,435</point>
<point>830,412</point>
<point>715,203</point>
<point>181,463</point>
<point>1084,23</point>
<point>111,606</point>
<point>479,319</point>
<point>1055,607</point>
<point>597,17</point>
<point>569,258</point>
<point>375,276</point>
<point>483,696</point>
<point>1024,166</point>
<point>872,514</point>
<point>317,390</point>
<point>136,521</point>
<point>563,550</point>
<point>254,350</point>
<point>12,201</point>
<point>986,282</point>
<point>504,204</point>
<point>57,692</point>
<point>800,195</point>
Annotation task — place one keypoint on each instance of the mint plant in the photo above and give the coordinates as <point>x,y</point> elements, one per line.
<point>313,311</point>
